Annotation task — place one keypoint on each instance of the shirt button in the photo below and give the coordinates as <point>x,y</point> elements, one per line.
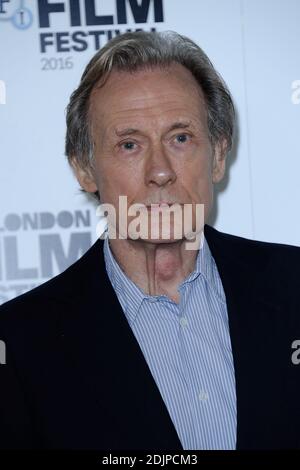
<point>183,321</point>
<point>203,396</point>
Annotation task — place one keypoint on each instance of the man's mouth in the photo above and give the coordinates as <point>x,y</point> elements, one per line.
<point>157,205</point>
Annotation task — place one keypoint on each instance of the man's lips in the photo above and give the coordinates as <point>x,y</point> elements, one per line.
<point>159,205</point>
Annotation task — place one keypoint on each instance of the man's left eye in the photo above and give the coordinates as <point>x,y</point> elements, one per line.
<point>128,145</point>
<point>182,138</point>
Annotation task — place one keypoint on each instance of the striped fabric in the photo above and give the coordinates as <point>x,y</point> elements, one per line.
<point>188,350</point>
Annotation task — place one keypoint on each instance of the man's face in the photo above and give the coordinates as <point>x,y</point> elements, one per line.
<point>151,140</point>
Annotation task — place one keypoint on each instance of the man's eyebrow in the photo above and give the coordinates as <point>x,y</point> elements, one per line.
<point>131,130</point>
<point>179,125</point>
<point>127,131</point>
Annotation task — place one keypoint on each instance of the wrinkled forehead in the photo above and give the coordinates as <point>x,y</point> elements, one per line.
<point>146,92</point>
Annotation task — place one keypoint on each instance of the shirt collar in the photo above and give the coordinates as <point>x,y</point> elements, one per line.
<point>131,296</point>
<point>206,266</point>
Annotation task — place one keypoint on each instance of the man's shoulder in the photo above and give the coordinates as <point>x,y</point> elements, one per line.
<point>242,245</point>
<point>44,298</point>
<point>266,259</point>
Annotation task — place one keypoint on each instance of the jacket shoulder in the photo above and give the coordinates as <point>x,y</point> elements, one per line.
<point>280,262</point>
<point>241,244</point>
<point>43,299</point>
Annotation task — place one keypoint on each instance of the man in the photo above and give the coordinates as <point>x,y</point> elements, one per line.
<point>143,343</point>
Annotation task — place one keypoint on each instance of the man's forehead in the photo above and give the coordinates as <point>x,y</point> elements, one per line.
<point>153,83</point>
<point>169,70</point>
<point>129,102</point>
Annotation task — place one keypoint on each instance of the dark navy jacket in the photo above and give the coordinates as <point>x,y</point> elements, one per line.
<point>75,377</point>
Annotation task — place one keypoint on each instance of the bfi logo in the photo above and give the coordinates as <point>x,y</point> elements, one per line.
<point>139,10</point>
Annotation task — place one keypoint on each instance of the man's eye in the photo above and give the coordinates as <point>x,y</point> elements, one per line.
<point>182,138</point>
<point>128,145</point>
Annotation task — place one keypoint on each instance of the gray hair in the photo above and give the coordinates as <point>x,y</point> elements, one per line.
<point>137,50</point>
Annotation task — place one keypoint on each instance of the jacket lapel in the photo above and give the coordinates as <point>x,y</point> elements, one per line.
<point>113,375</point>
<point>258,336</point>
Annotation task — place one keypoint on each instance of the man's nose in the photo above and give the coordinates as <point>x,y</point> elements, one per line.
<point>159,170</point>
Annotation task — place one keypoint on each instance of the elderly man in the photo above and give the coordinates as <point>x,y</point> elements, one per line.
<point>143,343</point>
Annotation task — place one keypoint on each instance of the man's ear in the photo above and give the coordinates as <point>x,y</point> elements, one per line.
<point>84,177</point>
<point>219,162</point>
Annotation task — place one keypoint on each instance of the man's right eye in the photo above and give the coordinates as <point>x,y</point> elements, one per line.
<point>128,145</point>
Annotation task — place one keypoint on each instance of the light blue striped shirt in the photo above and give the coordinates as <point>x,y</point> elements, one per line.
<point>188,350</point>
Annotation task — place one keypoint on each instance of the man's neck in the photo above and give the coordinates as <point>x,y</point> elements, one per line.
<point>157,268</point>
